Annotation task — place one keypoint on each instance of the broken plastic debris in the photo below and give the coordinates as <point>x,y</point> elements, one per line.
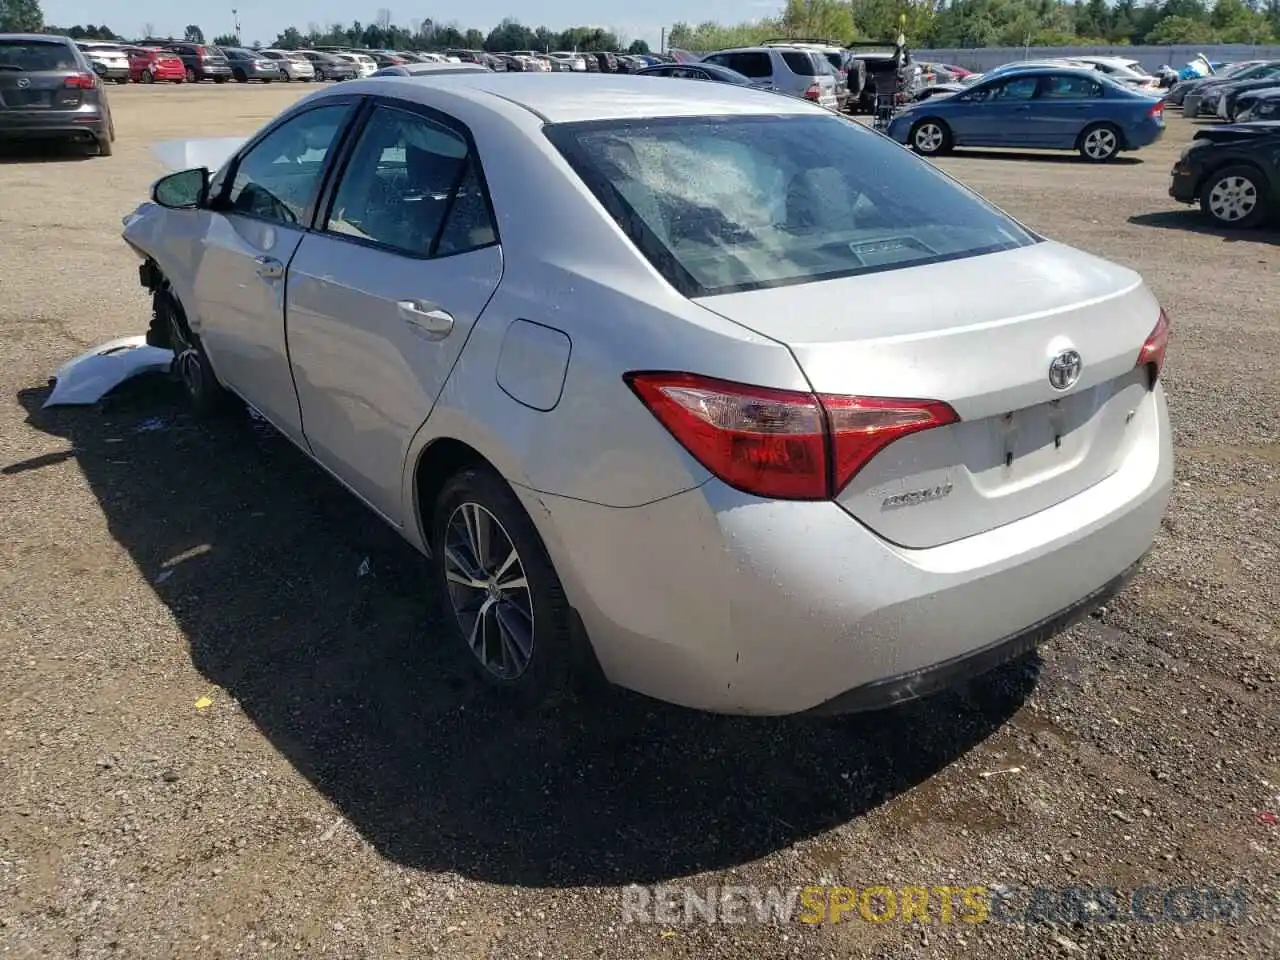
<point>204,703</point>
<point>90,376</point>
<point>363,569</point>
<point>164,575</point>
<point>996,773</point>
<point>1269,818</point>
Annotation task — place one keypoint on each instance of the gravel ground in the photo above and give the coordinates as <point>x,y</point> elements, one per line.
<point>345,794</point>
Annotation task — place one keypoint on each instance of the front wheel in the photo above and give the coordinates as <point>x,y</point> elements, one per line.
<point>191,365</point>
<point>930,137</point>
<point>1100,143</point>
<point>504,599</point>
<point>1234,197</point>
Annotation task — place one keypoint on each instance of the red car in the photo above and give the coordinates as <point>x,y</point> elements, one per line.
<point>149,65</point>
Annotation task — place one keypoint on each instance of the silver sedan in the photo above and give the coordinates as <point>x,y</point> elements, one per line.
<point>710,390</point>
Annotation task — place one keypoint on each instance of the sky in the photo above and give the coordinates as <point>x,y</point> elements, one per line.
<point>263,21</point>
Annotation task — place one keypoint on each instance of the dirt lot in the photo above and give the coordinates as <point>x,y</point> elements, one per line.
<point>346,794</point>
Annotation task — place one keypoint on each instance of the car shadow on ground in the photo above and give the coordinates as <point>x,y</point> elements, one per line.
<point>342,666</point>
<point>55,151</point>
<point>1124,160</point>
<point>1192,220</point>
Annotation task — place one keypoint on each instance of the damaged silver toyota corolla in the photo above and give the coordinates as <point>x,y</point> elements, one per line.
<point>779,418</point>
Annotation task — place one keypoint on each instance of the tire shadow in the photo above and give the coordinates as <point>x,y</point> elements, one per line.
<point>1191,220</point>
<point>349,676</point>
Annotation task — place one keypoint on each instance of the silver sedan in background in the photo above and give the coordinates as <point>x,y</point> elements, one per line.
<point>787,421</point>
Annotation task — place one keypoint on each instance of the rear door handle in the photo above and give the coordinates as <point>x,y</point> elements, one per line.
<point>269,268</point>
<point>427,319</point>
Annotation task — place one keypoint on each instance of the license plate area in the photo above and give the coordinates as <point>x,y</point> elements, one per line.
<point>1029,443</point>
<point>28,99</point>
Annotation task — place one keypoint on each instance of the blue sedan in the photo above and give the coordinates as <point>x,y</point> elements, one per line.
<point>1051,108</point>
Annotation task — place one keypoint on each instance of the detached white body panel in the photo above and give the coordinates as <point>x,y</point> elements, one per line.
<point>92,375</point>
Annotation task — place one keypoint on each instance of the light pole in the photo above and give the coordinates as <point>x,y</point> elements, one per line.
<point>236,20</point>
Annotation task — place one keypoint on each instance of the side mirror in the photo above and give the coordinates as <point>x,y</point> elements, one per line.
<point>184,190</point>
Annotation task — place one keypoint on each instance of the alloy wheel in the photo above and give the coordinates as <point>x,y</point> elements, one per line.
<point>929,138</point>
<point>489,591</point>
<point>1100,143</point>
<point>1233,198</point>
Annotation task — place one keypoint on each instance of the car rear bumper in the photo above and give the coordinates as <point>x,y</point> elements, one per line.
<point>720,601</point>
<point>111,73</point>
<point>210,71</point>
<point>52,124</point>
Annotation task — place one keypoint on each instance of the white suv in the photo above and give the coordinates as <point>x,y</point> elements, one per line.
<point>792,70</point>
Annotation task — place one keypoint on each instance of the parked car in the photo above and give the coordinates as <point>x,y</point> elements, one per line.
<point>1259,105</point>
<point>1233,172</point>
<point>109,60</point>
<point>704,71</point>
<point>532,61</point>
<point>201,62</point>
<point>850,72</point>
<point>1178,92</point>
<point>249,65</point>
<point>712,496</point>
<point>1038,107</point>
<point>330,67</point>
<point>365,66</point>
<point>790,70</point>
<point>152,65</point>
<point>1203,99</point>
<point>292,64</point>
<point>430,69</point>
<point>1122,70</point>
<point>1229,98</point>
<point>50,91</point>
<point>608,62</point>
<point>938,89</point>
<point>890,71</point>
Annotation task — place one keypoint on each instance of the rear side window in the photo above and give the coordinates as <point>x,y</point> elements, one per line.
<point>756,64</point>
<point>1069,88</point>
<point>412,186</point>
<point>802,63</point>
<point>725,204</point>
<point>36,55</point>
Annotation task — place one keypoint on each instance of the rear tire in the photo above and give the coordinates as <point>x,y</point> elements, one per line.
<point>191,75</point>
<point>519,638</point>
<point>105,147</point>
<point>1100,142</point>
<point>219,79</point>
<point>148,76</point>
<point>1235,196</point>
<point>240,77</point>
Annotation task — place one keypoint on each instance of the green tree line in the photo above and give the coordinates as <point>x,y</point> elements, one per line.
<point>926,23</point>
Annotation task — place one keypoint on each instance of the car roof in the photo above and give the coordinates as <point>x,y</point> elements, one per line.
<point>570,97</point>
<point>37,37</point>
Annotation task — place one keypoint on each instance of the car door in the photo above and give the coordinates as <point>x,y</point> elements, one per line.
<point>1064,105</point>
<point>260,208</point>
<point>382,298</point>
<point>997,114</point>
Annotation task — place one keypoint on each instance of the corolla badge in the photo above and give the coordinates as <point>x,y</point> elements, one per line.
<point>1064,370</point>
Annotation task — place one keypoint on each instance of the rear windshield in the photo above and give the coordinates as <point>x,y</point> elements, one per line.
<point>33,55</point>
<point>723,204</point>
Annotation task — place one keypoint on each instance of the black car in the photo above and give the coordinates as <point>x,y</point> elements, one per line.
<point>1232,94</point>
<point>1233,172</point>
<point>202,62</point>
<point>329,67</point>
<point>1261,104</point>
<point>49,91</point>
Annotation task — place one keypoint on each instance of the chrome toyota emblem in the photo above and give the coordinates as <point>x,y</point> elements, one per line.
<point>1064,370</point>
<point>23,83</point>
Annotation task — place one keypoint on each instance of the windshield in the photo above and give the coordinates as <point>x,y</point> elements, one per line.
<point>722,204</point>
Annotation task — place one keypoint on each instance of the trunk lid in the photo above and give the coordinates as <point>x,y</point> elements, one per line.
<point>41,90</point>
<point>978,333</point>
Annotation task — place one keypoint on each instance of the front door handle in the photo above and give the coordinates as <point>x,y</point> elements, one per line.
<point>269,268</point>
<point>426,318</point>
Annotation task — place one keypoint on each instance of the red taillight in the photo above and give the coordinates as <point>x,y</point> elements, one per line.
<point>1152,353</point>
<point>82,81</point>
<point>1157,111</point>
<point>813,93</point>
<point>783,444</point>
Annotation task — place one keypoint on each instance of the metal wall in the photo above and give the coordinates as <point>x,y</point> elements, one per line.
<point>985,58</point>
